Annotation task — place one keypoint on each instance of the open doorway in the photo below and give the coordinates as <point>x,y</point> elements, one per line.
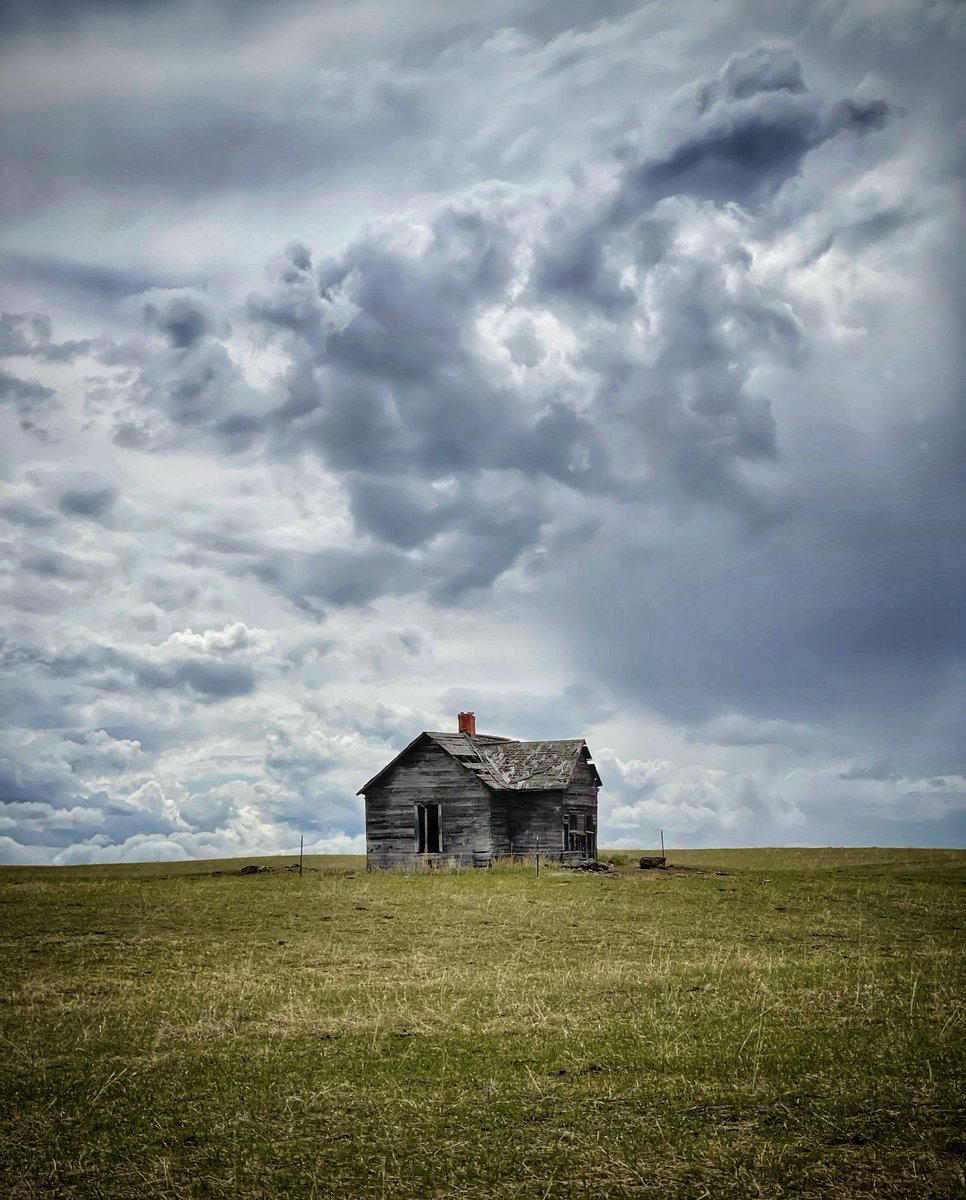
<point>429,832</point>
<point>580,833</point>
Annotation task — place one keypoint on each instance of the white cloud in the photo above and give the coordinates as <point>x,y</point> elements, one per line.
<point>234,638</point>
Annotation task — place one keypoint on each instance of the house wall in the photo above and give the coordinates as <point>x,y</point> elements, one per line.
<point>581,792</point>
<point>427,775</point>
<point>522,821</point>
<point>579,802</point>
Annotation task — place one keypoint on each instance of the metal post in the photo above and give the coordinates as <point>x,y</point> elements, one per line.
<point>301,849</point>
<point>662,843</point>
<point>538,858</point>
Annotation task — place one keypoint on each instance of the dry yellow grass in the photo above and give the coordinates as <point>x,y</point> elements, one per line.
<point>794,1027</point>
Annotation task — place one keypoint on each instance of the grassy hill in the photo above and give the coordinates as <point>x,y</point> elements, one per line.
<point>769,1022</point>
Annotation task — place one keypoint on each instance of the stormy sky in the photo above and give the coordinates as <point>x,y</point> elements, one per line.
<point>595,366</point>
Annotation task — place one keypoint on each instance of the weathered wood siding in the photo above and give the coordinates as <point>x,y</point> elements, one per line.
<point>580,801</point>
<point>582,789</point>
<point>581,793</point>
<point>428,775</point>
<point>530,820</point>
<point>522,821</point>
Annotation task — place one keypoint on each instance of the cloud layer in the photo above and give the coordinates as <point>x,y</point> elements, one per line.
<point>648,431</point>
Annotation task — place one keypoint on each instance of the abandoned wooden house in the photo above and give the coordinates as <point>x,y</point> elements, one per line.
<point>467,798</point>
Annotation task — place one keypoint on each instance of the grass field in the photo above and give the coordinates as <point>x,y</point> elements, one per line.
<point>785,1023</point>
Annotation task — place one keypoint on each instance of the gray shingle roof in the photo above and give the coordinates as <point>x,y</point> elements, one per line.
<point>504,764</point>
<point>533,766</point>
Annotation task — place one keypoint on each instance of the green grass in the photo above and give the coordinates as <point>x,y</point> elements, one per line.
<point>791,1027</point>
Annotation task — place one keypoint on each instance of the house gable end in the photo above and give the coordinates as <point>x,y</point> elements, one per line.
<point>426,802</point>
<point>379,775</point>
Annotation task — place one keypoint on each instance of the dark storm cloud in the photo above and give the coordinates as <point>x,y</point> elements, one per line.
<point>31,16</point>
<point>33,402</point>
<point>399,386</point>
<point>29,335</point>
<point>387,385</point>
<point>336,577</point>
<point>96,286</point>
<point>186,384</point>
<point>841,621</point>
<point>690,404</point>
<point>109,668</point>
<point>452,526</point>
<point>93,501</point>
<point>228,16</point>
<point>399,513</point>
<point>572,265</point>
<point>748,132</point>
<point>839,613</point>
<point>23,512</point>
<point>183,317</point>
<point>482,552</point>
<point>463,544</point>
<point>736,138</point>
<point>19,784</point>
<point>210,141</point>
<point>395,385</point>
<point>635,411</point>
<point>210,680</point>
<point>391,386</point>
<point>294,303</point>
<point>45,497</point>
<point>53,564</point>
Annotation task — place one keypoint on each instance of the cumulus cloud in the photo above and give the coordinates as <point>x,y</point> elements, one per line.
<point>747,132</point>
<point>98,753</point>
<point>804,806</point>
<point>396,381</point>
<point>233,639</point>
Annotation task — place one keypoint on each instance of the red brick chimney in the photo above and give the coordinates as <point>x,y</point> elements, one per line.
<point>468,723</point>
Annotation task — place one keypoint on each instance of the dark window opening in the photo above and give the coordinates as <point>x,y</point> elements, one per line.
<point>429,838</point>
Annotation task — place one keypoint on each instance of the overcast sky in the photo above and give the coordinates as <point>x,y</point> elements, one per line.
<point>595,366</point>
